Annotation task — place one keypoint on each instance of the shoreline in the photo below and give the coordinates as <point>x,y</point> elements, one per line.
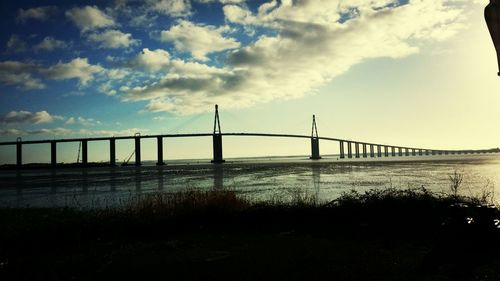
<point>275,160</point>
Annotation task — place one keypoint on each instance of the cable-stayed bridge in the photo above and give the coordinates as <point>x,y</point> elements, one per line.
<point>348,148</point>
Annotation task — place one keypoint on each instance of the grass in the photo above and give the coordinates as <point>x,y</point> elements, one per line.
<point>385,234</point>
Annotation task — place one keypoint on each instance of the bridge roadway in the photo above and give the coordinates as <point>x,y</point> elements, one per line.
<point>374,148</point>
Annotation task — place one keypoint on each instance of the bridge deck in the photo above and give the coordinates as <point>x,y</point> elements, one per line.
<point>223,134</point>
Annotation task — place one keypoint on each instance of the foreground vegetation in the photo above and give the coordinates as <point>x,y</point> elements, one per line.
<point>217,235</point>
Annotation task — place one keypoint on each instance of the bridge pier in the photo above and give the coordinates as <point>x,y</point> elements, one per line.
<point>356,147</point>
<point>341,151</point>
<point>379,151</point>
<point>393,151</point>
<point>315,149</point>
<point>53,153</point>
<point>364,151</point>
<point>85,158</point>
<point>112,152</point>
<point>217,147</point>
<point>420,152</point>
<point>386,151</point>
<point>349,149</point>
<point>407,152</point>
<point>19,152</point>
<point>372,151</point>
<point>400,151</point>
<point>159,150</point>
<point>137,150</point>
<point>413,152</point>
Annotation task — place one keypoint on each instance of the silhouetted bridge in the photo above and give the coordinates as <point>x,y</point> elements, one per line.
<point>356,149</point>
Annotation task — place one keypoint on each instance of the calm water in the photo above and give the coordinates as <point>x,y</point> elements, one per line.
<point>256,178</point>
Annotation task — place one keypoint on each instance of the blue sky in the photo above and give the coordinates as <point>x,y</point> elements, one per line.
<point>416,73</point>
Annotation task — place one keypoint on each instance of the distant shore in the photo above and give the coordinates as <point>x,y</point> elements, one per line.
<point>332,159</point>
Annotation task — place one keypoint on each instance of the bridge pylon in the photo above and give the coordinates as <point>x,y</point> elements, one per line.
<point>217,139</point>
<point>314,141</point>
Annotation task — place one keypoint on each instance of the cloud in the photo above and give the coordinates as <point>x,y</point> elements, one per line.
<point>20,74</point>
<point>199,40</point>
<point>82,121</point>
<point>307,45</point>
<point>26,75</point>
<point>49,44</point>
<point>70,132</point>
<point>113,39</point>
<point>39,13</point>
<point>16,44</point>
<point>89,18</point>
<point>27,117</point>
<point>152,60</point>
<point>77,68</point>
<point>174,8</point>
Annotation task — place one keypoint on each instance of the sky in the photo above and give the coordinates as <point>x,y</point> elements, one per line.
<point>419,73</point>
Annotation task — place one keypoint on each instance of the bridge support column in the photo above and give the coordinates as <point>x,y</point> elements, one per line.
<point>341,151</point>
<point>19,152</point>
<point>159,150</point>
<point>440,152</point>
<point>386,151</point>
<point>446,152</point>
<point>112,152</point>
<point>53,153</point>
<point>137,151</point>
<point>356,149</point>
<point>372,151</point>
<point>85,158</point>
<point>364,151</point>
<point>413,152</point>
<point>400,150</point>
<point>349,149</point>
<point>379,151</point>
<point>393,151</point>
<point>217,147</point>
<point>420,152</point>
<point>407,152</point>
<point>315,149</point>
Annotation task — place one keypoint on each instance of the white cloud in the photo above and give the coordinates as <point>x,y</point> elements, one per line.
<point>27,117</point>
<point>69,132</point>
<point>39,13</point>
<point>113,39</point>
<point>82,121</point>
<point>89,18</point>
<point>152,60</point>
<point>20,74</point>
<point>16,44</point>
<point>311,43</point>
<point>174,8</point>
<point>77,68</point>
<point>199,40</point>
<point>49,44</point>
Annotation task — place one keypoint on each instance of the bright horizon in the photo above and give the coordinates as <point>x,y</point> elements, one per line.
<point>409,73</point>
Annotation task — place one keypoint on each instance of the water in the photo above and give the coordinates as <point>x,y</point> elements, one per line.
<point>255,178</point>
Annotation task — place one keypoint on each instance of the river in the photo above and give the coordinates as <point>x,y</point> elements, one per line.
<point>260,178</point>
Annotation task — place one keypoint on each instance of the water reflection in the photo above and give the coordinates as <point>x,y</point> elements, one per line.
<point>137,179</point>
<point>85,181</point>
<point>53,181</point>
<point>316,174</point>
<point>160,178</point>
<point>112,179</point>
<point>218,172</point>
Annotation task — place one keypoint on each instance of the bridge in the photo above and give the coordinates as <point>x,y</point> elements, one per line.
<point>355,149</point>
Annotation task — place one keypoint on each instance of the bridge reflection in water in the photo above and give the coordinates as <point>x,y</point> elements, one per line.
<point>371,149</point>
